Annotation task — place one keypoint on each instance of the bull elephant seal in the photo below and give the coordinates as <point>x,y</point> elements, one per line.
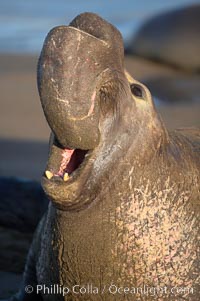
<point>123,219</point>
<point>171,37</point>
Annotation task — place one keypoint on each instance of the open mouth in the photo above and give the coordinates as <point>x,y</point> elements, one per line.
<point>64,163</point>
<point>67,173</point>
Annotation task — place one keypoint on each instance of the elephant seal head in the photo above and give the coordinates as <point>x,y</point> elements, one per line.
<point>87,99</point>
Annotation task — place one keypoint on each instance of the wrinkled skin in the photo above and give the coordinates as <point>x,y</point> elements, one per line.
<point>129,214</point>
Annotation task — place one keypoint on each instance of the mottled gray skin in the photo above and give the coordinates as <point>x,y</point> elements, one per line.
<point>129,215</point>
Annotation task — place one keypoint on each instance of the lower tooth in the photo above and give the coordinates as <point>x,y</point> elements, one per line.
<point>66,177</point>
<point>48,174</point>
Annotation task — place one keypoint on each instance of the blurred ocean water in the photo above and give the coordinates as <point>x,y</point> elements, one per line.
<point>25,23</point>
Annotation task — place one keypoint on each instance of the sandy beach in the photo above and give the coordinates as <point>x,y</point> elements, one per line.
<point>23,129</point>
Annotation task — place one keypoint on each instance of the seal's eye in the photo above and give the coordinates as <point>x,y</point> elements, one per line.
<point>137,90</point>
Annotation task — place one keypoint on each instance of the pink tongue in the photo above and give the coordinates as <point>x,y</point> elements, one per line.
<point>66,156</point>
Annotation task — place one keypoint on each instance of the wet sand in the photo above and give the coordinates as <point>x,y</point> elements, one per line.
<point>24,131</point>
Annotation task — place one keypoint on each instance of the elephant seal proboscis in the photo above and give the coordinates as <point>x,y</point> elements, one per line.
<point>124,213</point>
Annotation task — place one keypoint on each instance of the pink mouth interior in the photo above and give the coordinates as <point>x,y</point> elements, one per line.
<point>71,160</point>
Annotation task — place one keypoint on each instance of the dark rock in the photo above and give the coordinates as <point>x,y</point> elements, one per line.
<point>171,37</point>
<point>22,205</point>
<point>9,284</point>
<point>14,249</point>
